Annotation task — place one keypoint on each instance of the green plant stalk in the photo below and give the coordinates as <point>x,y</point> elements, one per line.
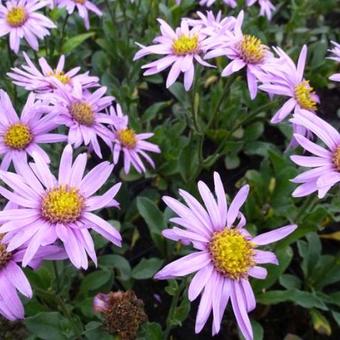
<point>308,204</point>
<point>11,60</point>
<point>195,104</point>
<point>56,274</point>
<point>63,30</point>
<point>174,303</point>
<point>53,297</point>
<point>225,93</point>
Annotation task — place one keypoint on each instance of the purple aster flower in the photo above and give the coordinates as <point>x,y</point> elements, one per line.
<point>243,51</point>
<point>181,48</point>
<point>325,162</point>
<point>212,25</point>
<point>22,136</point>
<point>48,79</point>
<point>83,7</point>
<point>336,56</point>
<point>13,279</point>
<point>225,255</point>
<point>208,3</point>
<point>131,144</point>
<point>82,111</point>
<point>20,19</point>
<point>266,7</point>
<point>52,209</point>
<point>286,79</point>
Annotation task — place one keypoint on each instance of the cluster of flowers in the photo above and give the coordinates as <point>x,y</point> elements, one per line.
<point>266,7</point>
<point>221,271</point>
<point>272,72</point>
<point>22,19</point>
<point>49,217</point>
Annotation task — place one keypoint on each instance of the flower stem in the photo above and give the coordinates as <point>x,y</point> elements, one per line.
<point>195,104</point>
<point>306,207</point>
<point>63,30</point>
<point>172,309</point>
<point>225,93</point>
<point>56,274</point>
<point>11,61</point>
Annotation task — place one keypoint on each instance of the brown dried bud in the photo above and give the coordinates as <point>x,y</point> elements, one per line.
<point>123,313</point>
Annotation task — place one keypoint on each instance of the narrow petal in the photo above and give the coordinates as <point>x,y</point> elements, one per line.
<point>240,311</point>
<point>274,235</point>
<point>236,204</point>
<point>184,266</point>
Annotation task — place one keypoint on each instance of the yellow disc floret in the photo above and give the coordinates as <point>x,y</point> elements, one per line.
<point>127,137</point>
<point>18,136</point>
<point>304,96</point>
<point>232,253</point>
<point>185,45</point>
<point>16,16</point>
<point>61,76</point>
<point>62,205</point>
<point>81,2</point>
<point>251,49</point>
<point>82,113</point>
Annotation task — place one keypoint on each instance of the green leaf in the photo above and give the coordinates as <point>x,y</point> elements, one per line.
<point>253,131</point>
<point>75,41</point>
<point>301,298</point>
<point>177,90</point>
<point>116,262</point>
<point>95,330</point>
<point>146,268</point>
<point>152,111</point>
<point>335,298</point>
<point>257,329</point>
<point>232,161</point>
<point>311,254</point>
<point>336,317</point>
<point>47,325</point>
<point>181,312</point>
<point>151,331</point>
<point>172,287</point>
<point>188,161</point>
<point>289,281</point>
<point>320,322</point>
<point>95,280</point>
<point>154,220</point>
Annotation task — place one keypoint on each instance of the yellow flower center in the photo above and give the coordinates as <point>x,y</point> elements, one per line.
<point>251,49</point>
<point>336,158</point>
<point>232,254</point>
<point>16,16</point>
<point>127,137</point>
<point>79,1</point>
<point>18,136</point>
<point>60,75</point>
<point>185,45</point>
<point>5,256</point>
<point>304,96</point>
<point>82,113</point>
<point>62,205</point>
